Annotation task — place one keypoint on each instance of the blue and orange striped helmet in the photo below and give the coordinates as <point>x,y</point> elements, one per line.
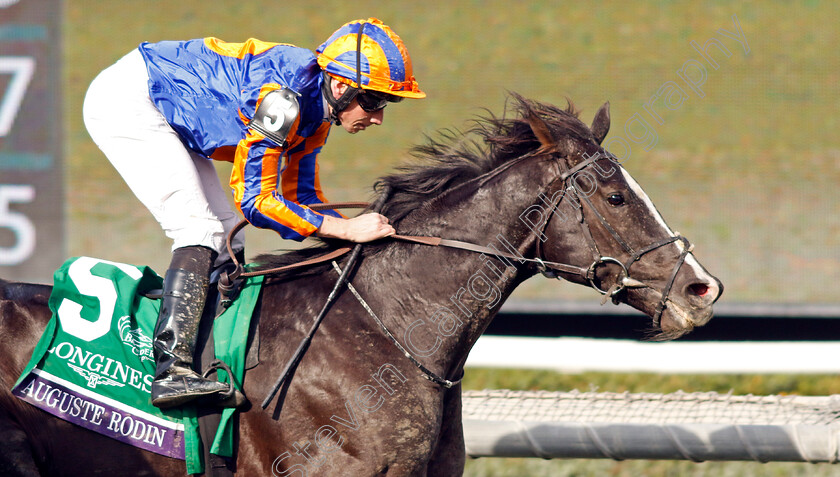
<point>377,59</point>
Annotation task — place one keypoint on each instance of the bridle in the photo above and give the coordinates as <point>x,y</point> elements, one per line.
<point>548,268</point>
<point>565,178</point>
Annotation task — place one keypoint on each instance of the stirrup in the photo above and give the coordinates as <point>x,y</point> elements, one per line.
<point>232,398</point>
<point>177,392</point>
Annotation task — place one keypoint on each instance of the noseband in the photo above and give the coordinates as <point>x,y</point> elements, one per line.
<point>553,269</point>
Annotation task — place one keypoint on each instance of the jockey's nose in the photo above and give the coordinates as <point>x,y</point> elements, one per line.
<point>377,116</point>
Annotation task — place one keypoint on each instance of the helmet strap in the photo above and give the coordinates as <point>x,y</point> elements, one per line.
<point>340,104</point>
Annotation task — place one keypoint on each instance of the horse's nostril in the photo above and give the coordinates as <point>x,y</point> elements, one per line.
<point>699,289</point>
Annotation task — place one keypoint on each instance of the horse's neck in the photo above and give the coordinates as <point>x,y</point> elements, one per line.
<point>440,300</point>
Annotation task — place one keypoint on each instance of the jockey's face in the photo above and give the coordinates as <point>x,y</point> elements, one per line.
<point>354,118</point>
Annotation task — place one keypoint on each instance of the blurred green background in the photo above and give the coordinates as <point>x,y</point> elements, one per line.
<point>748,172</point>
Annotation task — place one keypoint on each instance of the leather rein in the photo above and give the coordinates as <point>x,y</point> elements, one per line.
<point>548,268</point>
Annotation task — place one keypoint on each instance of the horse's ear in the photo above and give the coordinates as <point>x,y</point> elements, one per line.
<point>601,123</point>
<point>541,131</point>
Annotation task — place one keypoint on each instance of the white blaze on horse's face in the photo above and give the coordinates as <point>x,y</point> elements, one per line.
<point>637,189</point>
<point>692,305</point>
<point>661,277</point>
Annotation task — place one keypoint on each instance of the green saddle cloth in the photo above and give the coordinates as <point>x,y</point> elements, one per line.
<point>94,365</point>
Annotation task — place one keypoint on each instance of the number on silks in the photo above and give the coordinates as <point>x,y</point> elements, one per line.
<point>276,115</point>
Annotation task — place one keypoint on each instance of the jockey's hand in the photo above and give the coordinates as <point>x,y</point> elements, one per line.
<point>364,228</point>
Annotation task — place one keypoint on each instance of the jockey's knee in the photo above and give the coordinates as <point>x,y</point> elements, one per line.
<point>201,232</point>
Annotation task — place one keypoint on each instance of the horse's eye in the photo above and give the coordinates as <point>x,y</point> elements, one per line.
<point>615,199</point>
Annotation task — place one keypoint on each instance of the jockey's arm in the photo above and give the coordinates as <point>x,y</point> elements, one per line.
<point>276,198</point>
<point>300,184</point>
<point>255,182</point>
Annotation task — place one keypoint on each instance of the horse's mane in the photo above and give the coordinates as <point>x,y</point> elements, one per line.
<point>457,157</point>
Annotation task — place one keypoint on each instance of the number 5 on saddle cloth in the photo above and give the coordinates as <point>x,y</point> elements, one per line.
<point>94,366</point>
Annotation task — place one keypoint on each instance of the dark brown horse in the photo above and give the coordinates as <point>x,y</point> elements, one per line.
<point>533,193</point>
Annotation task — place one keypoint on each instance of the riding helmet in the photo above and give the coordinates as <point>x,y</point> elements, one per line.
<point>376,60</point>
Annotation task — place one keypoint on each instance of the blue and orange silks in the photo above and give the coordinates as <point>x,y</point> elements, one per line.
<point>208,90</point>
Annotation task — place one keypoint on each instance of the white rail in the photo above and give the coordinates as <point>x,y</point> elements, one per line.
<point>697,426</point>
<point>688,357</point>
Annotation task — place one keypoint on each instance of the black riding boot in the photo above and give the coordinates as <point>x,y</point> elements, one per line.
<point>184,292</point>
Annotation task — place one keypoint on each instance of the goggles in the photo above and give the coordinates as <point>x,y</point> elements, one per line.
<point>372,101</point>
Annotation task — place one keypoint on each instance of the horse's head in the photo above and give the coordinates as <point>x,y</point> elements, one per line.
<point>602,223</point>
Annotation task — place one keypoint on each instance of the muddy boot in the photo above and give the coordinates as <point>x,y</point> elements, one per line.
<point>184,293</point>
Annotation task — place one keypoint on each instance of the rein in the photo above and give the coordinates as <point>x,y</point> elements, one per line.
<point>427,373</point>
<point>343,279</point>
<point>227,279</point>
<point>548,269</point>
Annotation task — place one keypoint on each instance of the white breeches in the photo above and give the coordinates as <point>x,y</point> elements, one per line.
<point>178,186</point>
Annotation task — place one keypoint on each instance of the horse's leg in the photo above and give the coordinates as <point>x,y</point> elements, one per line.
<point>449,455</point>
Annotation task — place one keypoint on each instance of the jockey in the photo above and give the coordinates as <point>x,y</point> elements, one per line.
<point>164,109</point>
